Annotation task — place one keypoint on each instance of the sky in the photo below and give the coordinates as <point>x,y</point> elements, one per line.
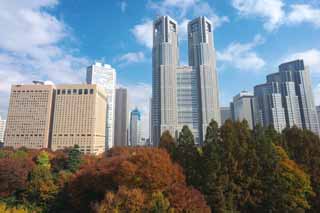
<point>55,40</point>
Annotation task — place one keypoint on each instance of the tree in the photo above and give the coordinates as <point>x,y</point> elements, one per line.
<point>159,203</point>
<point>43,160</point>
<point>167,142</point>
<point>74,159</point>
<point>188,157</point>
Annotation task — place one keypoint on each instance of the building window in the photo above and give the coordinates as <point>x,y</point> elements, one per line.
<point>91,91</point>
<point>69,91</point>
<point>58,92</point>
<point>80,91</point>
<point>74,91</point>
<point>63,92</point>
<point>86,91</point>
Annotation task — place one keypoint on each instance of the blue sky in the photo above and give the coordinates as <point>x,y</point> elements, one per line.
<point>56,40</point>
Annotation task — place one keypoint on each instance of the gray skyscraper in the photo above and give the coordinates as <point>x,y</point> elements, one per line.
<point>121,117</point>
<point>297,73</point>
<point>135,128</point>
<point>242,108</point>
<point>186,95</point>
<point>269,110</point>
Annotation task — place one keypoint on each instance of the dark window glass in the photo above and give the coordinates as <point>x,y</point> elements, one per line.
<point>69,91</point>
<point>74,91</point>
<point>58,92</point>
<point>91,91</point>
<point>86,91</point>
<point>80,91</point>
<point>63,91</point>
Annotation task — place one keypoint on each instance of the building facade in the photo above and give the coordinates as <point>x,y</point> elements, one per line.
<point>135,128</point>
<point>268,108</point>
<point>121,117</point>
<point>79,118</point>
<point>29,116</point>
<point>242,108</point>
<point>2,129</point>
<point>225,114</point>
<point>183,95</point>
<point>105,76</point>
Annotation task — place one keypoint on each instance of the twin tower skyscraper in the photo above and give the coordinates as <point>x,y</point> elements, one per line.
<point>183,95</point>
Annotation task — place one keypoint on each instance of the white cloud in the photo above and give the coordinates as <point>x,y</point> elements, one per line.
<point>242,56</point>
<point>173,7</point>
<point>304,13</point>
<point>123,6</point>
<point>270,10</point>
<point>129,58</point>
<point>139,96</point>
<point>143,33</point>
<point>311,58</point>
<point>30,47</point>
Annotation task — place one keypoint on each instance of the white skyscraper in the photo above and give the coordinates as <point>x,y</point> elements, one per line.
<point>2,129</point>
<point>183,95</point>
<point>135,128</point>
<point>105,76</point>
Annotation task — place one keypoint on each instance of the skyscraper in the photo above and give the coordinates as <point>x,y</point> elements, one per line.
<point>2,129</point>
<point>121,118</point>
<point>79,118</point>
<point>268,108</point>
<point>105,76</point>
<point>297,74</point>
<point>135,127</point>
<point>29,116</point>
<point>242,108</point>
<point>183,95</point>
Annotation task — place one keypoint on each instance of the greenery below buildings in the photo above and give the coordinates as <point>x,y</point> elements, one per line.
<point>236,170</point>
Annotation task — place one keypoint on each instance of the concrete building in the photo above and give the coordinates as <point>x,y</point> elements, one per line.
<point>135,127</point>
<point>225,114</point>
<point>242,108</point>
<point>105,76</point>
<point>268,108</point>
<point>183,95</point>
<point>79,118</point>
<point>2,130</point>
<point>121,118</point>
<point>29,116</point>
<point>318,113</point>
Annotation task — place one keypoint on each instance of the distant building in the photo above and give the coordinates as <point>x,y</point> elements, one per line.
<point>121,118</point>
<point>29,116</point>
<point>47,116</point>
<point>318,113</point>
<point>242,108</point>
<point>135,128</point>
<point>225,114</point>
<point>2,130</point>
<point>105,76</point>
<point>79,118</point>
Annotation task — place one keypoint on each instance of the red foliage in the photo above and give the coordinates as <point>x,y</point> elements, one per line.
<point>14,174</point>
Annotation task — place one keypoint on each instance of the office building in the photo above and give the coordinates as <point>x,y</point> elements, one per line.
<point>79,118</point>
<point>105,76</point>
<point>318,113</point>
<point>135,127</point>
<point>2,130</point>
<point>225,114</point>
<point>268,108</point>
<point>29,116</point>
<point>295,85</point>
<point>183,95</point>
<point>121,117</point>
<point>242,108</point>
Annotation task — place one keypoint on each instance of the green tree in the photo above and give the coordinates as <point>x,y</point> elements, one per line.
<point>159,204</point>
<point>187,155</point>
<point>168,143</point>
<point>74,159</point>
<point>43,159</point>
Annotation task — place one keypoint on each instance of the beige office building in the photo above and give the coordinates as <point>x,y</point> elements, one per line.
<point>79,118</point>
<point>29,116</point>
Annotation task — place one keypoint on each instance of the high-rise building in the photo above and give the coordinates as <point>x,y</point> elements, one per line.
<point>135,127</point>
<point>105,76</point>
<point>121,118</point>
<point>225,114</point>
<point>294,82</point>
<point>79,118</point>
<point>268,108</point>
<point>29,116</point>
<point>242,108</point>
<point>183,95</point>
<point>318,113</point>
<point>2,130</point>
